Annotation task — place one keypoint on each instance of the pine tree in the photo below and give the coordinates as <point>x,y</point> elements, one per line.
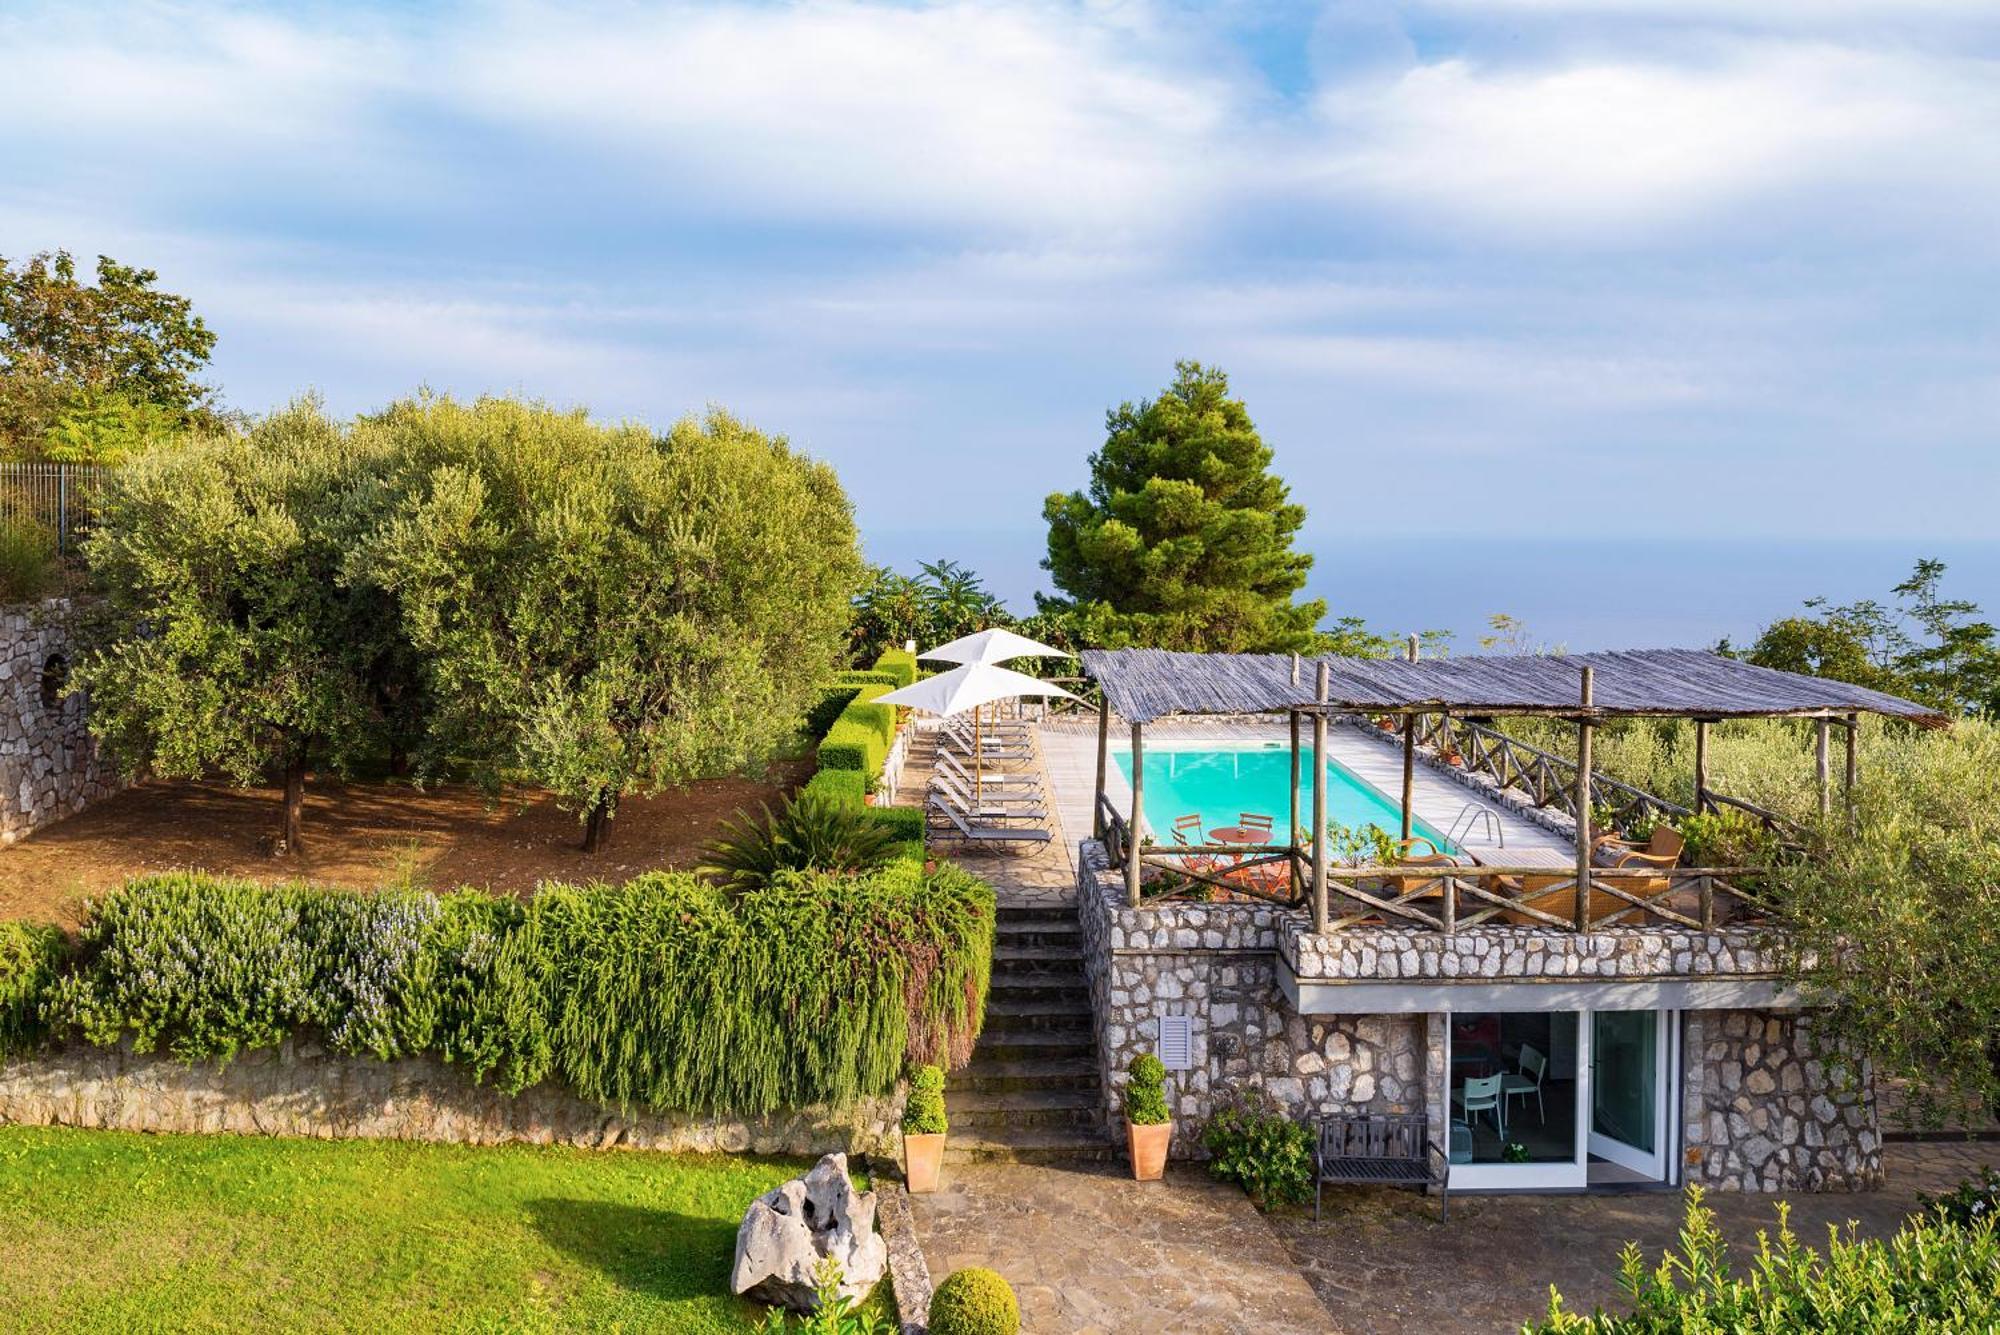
<point>1184,539</point>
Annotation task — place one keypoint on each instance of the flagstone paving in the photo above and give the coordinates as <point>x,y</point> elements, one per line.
<point>1091,1252</point>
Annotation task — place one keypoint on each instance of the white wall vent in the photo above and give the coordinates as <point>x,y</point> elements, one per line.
<point>1176,1042</point>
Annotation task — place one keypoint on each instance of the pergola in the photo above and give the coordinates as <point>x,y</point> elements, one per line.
<point>1144,685</point>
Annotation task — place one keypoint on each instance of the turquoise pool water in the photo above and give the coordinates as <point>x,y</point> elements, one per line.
<point>1220,783</point>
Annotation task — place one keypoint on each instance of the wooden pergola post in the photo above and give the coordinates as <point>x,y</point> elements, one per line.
<point>1409,757</point>
<point>1135,839</point>
<point>1853,763</point>
<point>1583,810</point>
<point>1822,767</point>
<point>1319,805</point>
<point>1292,838</point>
<point>1700,765</point>
<point>1103,765</point>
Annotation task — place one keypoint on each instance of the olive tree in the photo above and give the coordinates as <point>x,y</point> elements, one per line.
<point>225,639</point>
<point>605,610</point>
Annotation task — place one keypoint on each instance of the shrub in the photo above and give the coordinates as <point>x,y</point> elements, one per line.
<point>900,664</point>
<point>1146,1091</point>
<point>1975,1200</point>
<point>974,1301</point>
<point>826,707</point>
<point>810,832</point>
<point>924,1114</point>
<point>842,785</point>
<point>663,992</point>
<point>1933,1275</point>
<point>867,677</point>
<point>30,954</point>
<point>904,824</point>
<point>28,565</point>
<point>859,739</point>
<point>834,1313</point>
<point>1254,1145</point>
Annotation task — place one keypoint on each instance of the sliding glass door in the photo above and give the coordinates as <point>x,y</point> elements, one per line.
<point>1628,1083</point>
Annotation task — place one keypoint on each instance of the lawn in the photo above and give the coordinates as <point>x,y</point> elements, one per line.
<point>115,1231</point>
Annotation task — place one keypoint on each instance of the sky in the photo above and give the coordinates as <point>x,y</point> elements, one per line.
<point>1616,272</point>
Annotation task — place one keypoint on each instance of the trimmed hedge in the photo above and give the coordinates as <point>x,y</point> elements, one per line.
<point>866,677</point>
<point>847,785</point>
<point>900,664</point>
<point>826,708</point>
<point>860,738</point>
<point>664,992</point>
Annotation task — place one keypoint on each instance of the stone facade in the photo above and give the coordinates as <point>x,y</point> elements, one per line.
<point>298,1089</point>
<point>1762,1112</point>
<point>49,764</point>
<point>1218,966</point>
<point>1759,1112</point>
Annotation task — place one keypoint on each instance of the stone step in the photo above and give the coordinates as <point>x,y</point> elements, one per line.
<point>1017,1109</point>
<point>1026,988</point>
<point>1034,918</point>
<point>1035,1046</point>
<point>1008,954</point>
<point>1051,939</point>
<point>1014,972</point>
<point>1007,1015</point>
<point>1040,1145</point>
<point>1023,1077</point>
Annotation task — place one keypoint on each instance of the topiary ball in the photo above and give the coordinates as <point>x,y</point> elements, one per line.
<point>974,1302</point>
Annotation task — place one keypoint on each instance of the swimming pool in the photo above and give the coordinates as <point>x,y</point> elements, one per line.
<point>1221,782</point>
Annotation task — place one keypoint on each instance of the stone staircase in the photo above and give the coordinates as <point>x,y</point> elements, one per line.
<point>1031,1091</point>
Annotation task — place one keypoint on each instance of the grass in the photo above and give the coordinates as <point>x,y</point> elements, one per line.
<point>112,1231</point>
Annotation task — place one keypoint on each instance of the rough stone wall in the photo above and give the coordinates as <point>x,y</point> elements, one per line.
<point>1218,965</point>
<point>1383,953</point>
<point>49,765</point>
<point>1761,1113</point>
<point>298,1089</point>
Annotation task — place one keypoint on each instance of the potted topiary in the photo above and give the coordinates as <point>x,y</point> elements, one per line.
<point>1148,1126</point>
<point>974,1301</point>
<point>923,1130</point>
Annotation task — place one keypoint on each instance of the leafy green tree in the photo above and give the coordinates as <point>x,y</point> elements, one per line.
<point>225,638</point>
<point>1926,646</point>
<point>943,601</point>
<point>1184,538</point>
<point>609,611</point>
<point>100,365</point>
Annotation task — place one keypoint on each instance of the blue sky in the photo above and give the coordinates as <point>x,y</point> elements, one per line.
<point>1613,268</point>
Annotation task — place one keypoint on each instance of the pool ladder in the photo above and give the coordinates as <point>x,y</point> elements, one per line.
<point>1473,816</point>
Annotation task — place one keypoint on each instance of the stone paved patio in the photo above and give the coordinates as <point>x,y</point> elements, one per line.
<point>1381,1262</point>
<point>1091,1252</point>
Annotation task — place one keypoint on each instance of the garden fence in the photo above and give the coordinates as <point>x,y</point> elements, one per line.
<point>64,498</point>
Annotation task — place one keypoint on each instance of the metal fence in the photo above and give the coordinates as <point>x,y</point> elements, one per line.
<point>63,498</point>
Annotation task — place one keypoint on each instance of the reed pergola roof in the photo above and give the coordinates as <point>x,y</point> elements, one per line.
<point>1142,685</point>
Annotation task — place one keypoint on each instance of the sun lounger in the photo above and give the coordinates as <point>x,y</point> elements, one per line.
<point>1012,781</point>
<point>988,834</point>
<point>989,804</point>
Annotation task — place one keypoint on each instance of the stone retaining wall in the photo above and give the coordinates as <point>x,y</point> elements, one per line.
<point>298,1089</point>
<point>49,764</point>
<point>1762,1113</point>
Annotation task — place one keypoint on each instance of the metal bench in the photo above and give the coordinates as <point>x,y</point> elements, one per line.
<point>1380,1149</point>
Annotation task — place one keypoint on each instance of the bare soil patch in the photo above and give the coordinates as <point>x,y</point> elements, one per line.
<point>362,835</point>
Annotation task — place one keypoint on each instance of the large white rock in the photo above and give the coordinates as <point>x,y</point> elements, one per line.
<point>789,1229</point>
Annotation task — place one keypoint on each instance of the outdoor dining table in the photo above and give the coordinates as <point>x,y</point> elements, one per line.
<point>1239,834</point>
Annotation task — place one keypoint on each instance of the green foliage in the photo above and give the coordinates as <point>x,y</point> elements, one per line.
<point>810,832</point>
<point>606,610</point>
<point>1726,837</point>
<point>1253,1144</point>
<point>1146,1091</point>
<point>227,637</point>
<point>662,992</point>
<point>1932,1276</point>
<point>29,569</point>
<point>1184,538</point>
<point>899,664</point>
<point>941,602</point>
<point>1973,1201</point>
<point>923,1114</point>
<point>833,1313</point>
<point>974,1301</point>
<point>860,738</point>
<point>827,706</point>
<point>1926,647</point>
<point>87,371</point>
<point>845,785</point>
<point>904,824</point>
<point>30,955</point>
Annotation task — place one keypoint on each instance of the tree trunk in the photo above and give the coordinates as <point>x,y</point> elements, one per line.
<point>596,824</point>
<point>295,801</point>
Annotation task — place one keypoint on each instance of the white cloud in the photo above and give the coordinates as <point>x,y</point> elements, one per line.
<point>1647,146</point>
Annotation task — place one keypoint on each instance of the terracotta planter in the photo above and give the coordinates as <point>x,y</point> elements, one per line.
<point>923,1156</point>
<point>1148,1147</point>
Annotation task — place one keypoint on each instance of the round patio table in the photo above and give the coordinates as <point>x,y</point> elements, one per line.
<point>1239,834</point>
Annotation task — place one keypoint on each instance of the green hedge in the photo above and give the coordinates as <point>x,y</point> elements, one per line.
<point>30,954</point>
<point>662,993</point>
<point>900,664</point>
<point>826,708</point>
<point>860,738</point>
<point>866,677</point>
<point>847,785</point>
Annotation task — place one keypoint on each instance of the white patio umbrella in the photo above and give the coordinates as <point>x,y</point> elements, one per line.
<point>973,686</point>
<point>992,646</point>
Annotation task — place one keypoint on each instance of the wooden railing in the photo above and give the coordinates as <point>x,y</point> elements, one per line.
<point>1547,778</point>
<point>1459,898</point>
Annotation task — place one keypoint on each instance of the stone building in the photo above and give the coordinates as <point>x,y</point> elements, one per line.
<point>49,764</point>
